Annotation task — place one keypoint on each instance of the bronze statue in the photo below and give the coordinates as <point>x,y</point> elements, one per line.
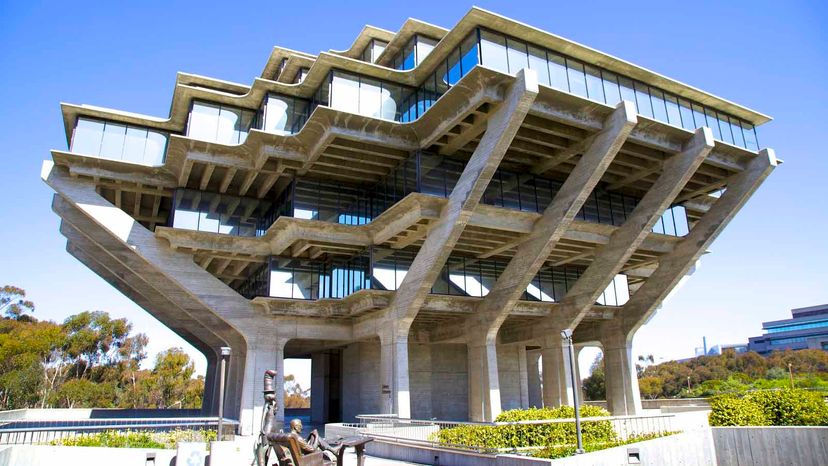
<point>271,439</point>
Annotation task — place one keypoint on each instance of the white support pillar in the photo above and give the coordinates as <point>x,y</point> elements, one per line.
<point>524,377</point>
<point>534,378</point>
<point>557,385</point>
<point>395,397</point>
<point>621,378</point>
<point>484,383</point>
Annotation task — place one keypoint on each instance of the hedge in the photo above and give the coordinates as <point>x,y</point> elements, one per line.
<point>138,439</point>
<point>514,436</point>
<point>789,407</point>
<point>569,450</point>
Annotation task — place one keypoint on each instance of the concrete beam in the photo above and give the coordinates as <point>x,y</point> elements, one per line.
<point>675,264</point>
<point>612,256</point>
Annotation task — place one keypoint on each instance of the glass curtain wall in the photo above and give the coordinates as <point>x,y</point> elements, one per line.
<point>282,114</point>
<point>218,123</point>
<point>373,50</point>
<point>118,141</point>
<point>413,52</point>
<point>509,55</point>
<point>218,213</point>
<point>384,269</point>
<point>300,75</point>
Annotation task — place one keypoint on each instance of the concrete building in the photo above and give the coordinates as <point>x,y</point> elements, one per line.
<point>807,329</point>
<point>420,215</point>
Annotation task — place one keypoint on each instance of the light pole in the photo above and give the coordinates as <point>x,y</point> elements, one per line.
<point>688,386</point>
<point>566,336</point>
<point>790,373</point>
<point>225,353</point>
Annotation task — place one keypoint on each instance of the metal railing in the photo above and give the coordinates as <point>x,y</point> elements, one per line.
<point>48,431</point>
<point>391,428</point>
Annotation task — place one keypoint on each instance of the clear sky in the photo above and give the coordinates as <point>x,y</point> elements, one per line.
<point>770,56</point>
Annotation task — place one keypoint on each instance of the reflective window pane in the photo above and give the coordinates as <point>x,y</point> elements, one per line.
<point>713,123</point>
<point>345,93</point>
<point>468,54</point>
<point>577,79</point>
<point>537,62</point>
<point>750,136</point>
<point>493,51</point>
<point>87,137</point>
<point>612,92</point>
<point>627,91</point>
<point>736,129</point>
<point>203,121</point>
<point>112,146</point>
<point>424,47</point>
<point>673,112</point>
<point>595,86</point>
<point>134,145</point>
<point>687,121</point>
<point>370,98</point>
<point>659,106</point>
<point>557,72</point>
<point>517,55</point>
<point>642,100</point>
<point>453,65</point>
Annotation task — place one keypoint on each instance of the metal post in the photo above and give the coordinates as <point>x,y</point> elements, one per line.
<point>566,335</point>
<point>225,352</point>
<point>790,373</point>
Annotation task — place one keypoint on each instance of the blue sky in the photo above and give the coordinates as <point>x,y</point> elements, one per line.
<point>770,56</point>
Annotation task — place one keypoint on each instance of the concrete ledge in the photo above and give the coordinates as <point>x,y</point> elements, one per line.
<point>46,455</point>
<point>801,446</point>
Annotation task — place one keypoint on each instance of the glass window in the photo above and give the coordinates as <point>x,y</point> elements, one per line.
<point>203,121</point>
<point>370,98</point>
<point>577,79</point>
<point>595,87</point>
<point>493,51</point>
<point>611,90</point>
<point>112,145</point>
<point>749,133</point>
<point>627,91</point>
<point>453,63</point>
<point>713,123</point>
<point>409,59</point>
<point>724,125</point>
<point>736,128</point>
<point>537,62</point>
<point>659,106</point>
<point>87,137</point>
<point>557,72</point>
<point>698,117</point>
<point>345,92</point>
<point>468,53</point>
<point>642,100</point>
<point>673,112</point>
<point>377,47</point>
<point>686,115</point>
<point>155,149</point>
<point>390,100</point>
<point>517,55</point>
<point>134,145</point>
<point>424,47</point>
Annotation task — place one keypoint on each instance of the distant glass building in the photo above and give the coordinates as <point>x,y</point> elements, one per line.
<point>808,329</point>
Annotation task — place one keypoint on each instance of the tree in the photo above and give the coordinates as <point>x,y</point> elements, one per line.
<point>650,387</point>
<point>594,386</point>
<point>295,396</point>
<point>93,338</point>
<point>172,374</point>
<point>13,305</point>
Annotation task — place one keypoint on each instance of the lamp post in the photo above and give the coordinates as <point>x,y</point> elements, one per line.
<point>225,353</point>
<point>790,373</point>
<point>688,386</point>
<point>566,336</point>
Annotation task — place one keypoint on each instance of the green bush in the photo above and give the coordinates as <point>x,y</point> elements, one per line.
<point>791,407</point>
<point>788,407</point>
<point>731,410</point>
<point>513,436</point>
<point>561,451</point>
<point>138,439</point>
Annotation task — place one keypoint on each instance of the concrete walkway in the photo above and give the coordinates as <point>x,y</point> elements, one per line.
<point>351,460</point>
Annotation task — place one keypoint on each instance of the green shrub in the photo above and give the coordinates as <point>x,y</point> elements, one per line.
<point>731,410</point>
<point>513,436</point>
<point>561,451</point>
<point>138,439</point>
<point>791,407</point>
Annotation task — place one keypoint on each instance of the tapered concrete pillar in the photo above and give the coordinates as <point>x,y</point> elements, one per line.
<point>620,376</point>
<point>533,373</point>
<point>557,384</point>
<point>524,377</point>
<point>263,353</point>
<point>484,383</point>
<point>209,401</point>
<point>320,364</point>
<point>395,397</point>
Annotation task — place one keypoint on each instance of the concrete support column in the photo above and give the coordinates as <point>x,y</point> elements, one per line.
<point>484,383</point>
<point>534,378</point>
<point>395,397</point>
<point>557,385</point>
<point>621,379</point>
<point>524,377</point>
<point>209,401</point>
<point>320,365</point>
<point>263,353</point>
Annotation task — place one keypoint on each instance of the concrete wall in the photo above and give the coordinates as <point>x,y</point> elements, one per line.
<point>42,455</point>
<point>760,446</point>
<point>438,380</point>
<point>509,374</point>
